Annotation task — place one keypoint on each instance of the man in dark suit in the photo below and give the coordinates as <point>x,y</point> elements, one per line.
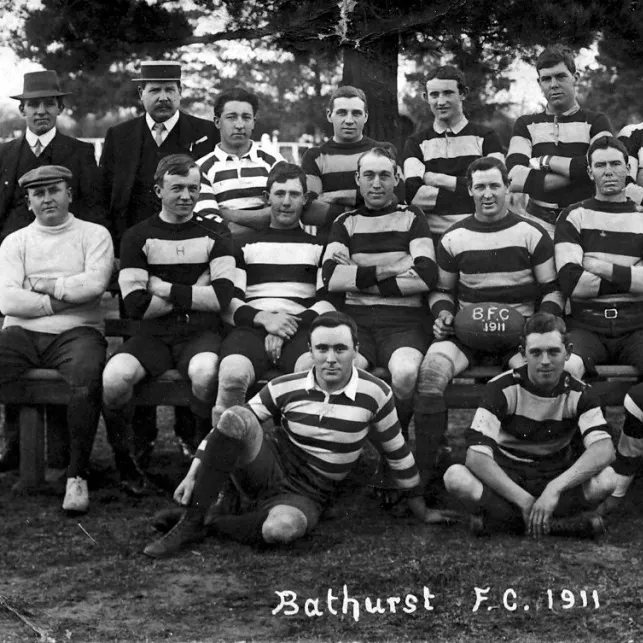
<point>131,153</point>
<point>41,102</point>
<point>133,149</point>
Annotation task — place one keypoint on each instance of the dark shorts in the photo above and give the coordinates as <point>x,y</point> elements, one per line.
<point>382,330</point>
<point>484,358</point>
<point>250,342</point>
<point>160,354</point>
<point>534,477</point>
<point>277,476</point>
<point>595,348</point>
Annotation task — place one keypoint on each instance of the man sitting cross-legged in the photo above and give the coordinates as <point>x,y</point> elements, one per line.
<point>278,292</point>
<point>492,256</point>
<point>176,277</point>
<point>52,275</point>
<point>323,417</point>
<point>520,470</point>
<point>382,256</point>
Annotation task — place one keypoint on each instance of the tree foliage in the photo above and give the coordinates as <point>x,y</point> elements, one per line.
<point>95,43</point>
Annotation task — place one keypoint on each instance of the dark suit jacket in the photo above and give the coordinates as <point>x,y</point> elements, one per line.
<point>75,155</point>
<point>121,153</point>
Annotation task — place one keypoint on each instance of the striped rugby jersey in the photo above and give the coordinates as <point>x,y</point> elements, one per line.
<point>329,429</point>
<point>629,452</point>
<point>611,232</point>
<point>447,151</point>
<point>195,257</point>
<point>568,135</point>
<point>234,182</point>
<point>371,237</point>
<point>278,271</point>
<point>522,423</point>
<point>509,261</point>
<point>330,168</point>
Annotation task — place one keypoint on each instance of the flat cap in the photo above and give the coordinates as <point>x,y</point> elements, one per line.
<point>44,175</point>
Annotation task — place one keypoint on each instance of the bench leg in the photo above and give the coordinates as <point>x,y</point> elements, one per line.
<point>32,447</point>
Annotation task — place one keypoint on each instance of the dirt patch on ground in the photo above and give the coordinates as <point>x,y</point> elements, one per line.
<point>92,583</point>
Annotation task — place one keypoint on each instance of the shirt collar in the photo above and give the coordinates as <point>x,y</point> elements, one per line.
<point>169,123</point>
<point>569,112</point>
<point>350,390</point>
<point>45,138</point>
<point>456,129</point>
<point>222,155</point>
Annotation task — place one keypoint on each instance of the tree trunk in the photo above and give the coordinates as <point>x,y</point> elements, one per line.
<point>373,68</point>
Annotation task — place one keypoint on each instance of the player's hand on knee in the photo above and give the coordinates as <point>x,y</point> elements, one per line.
<point>443,325</point>
<point>542,512</point>
<point>183,493</point>
<point>273,346</point>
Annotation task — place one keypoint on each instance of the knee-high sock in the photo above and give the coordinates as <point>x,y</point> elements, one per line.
<point>244,529</point>
<point>404,410</point>
<point>502,515</point>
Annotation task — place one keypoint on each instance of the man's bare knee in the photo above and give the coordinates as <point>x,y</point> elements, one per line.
<point>120,376</point>
<point>202,370</point>
<point>284,524</point>
<point>238,422</point>
<point>460,482</point>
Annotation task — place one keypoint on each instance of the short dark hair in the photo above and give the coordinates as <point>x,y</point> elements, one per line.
<point>283,171</point>
<point>487,163</point>
<point>605,142</point>
<point>23,102</point>
<point>385,151</point>
<point>178,164</point>
<point>347,91</point>
<point>333,319</point>
<point>543,323</point>
<point>236,93</point>
<point>448,72</point>
<point>555,54</point>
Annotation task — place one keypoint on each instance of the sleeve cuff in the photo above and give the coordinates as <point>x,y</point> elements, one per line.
<point>622,277</point>
<point>366,277</point>
<point>181,296</point>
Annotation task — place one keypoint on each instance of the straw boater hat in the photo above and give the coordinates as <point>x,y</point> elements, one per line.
<point>40,84</point>
<point>159,70</point>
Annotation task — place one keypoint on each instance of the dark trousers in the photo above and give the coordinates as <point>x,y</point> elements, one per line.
<point>78,355</point>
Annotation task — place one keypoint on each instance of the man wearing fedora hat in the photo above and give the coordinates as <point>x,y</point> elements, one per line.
<point>133,149</point>
<point>41,102</point>
<point>131,153</point>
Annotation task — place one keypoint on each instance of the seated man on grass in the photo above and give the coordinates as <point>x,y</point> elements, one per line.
<point>53,273</point>
<point>520,473</point>
<point>324,417</point>
<point>491,256</point>
<point>176,277</point>
<point>278,292</point>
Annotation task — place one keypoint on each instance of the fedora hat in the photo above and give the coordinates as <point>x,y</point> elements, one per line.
<point>40,84</point>
<point>159,70</point>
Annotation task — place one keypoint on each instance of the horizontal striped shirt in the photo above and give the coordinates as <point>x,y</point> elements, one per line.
<point>235,182</point>
<point>568,135</point>
<point>611,232</point>
<point>329,430</point>
<point>446,151</point>
<point>632,137</point>
<point>374,237</point>
<point>629,452</point>
<point>509,261</point>
<point>195,257</point>
<point>330,168</point>
<point>521,422</point>
<point>279,271</point>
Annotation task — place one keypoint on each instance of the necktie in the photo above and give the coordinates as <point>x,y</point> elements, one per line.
<point>158,128</point>
<point>37,149</point>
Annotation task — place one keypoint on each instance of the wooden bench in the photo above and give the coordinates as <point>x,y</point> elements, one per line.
<point>41,386</point>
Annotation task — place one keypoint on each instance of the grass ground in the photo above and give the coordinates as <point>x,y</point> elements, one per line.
<point>85,580</point>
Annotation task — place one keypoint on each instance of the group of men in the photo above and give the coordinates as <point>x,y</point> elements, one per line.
<point>223,280</point>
